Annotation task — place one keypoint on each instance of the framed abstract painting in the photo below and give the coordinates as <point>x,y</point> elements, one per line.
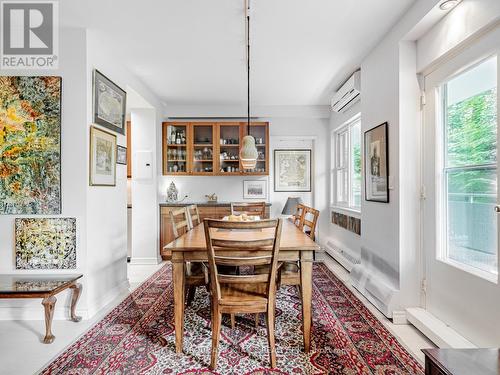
<point>102,157</point>
<point>30,145</point>
<point>292,170</point>
<point>45,243</point>
<point>109,103</point>
<point>377,164</point>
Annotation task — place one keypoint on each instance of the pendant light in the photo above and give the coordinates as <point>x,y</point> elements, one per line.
<point>248,152</point>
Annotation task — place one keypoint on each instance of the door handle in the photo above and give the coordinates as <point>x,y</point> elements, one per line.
<point>497,208</point>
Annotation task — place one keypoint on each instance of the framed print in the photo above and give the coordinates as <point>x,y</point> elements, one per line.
<point>30,145</point>
<point>109,103</point>
<point>102,158</point>
<point>121,155</point>
<point>45,243</point>
<point>292,170</point>
<point>255,189</point>
<point>377,164</point>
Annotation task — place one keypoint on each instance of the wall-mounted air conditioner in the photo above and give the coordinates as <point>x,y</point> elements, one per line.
<point>347,94</point>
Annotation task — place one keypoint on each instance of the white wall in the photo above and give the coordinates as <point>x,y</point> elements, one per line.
<point>73,177</point>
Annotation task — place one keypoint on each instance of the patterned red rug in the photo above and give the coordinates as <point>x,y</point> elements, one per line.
<point>347,338</point>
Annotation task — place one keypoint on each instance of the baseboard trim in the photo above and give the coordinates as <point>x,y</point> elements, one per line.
<point>144,261</point>
<point>399,317</point>
<point>436,330</point>
<point>37,313</point>
<point>121,289</point>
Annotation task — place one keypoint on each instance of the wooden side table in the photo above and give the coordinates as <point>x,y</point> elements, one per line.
<point>46,287</point>
<point>462,361</point>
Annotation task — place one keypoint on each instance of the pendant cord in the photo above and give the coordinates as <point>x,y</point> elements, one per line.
<point>248,65</point>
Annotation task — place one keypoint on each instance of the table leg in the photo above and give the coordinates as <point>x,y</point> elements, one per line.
<point>178,278</point>
<point>49,304</point>
<point>77,291</point>
<point>306,265</point>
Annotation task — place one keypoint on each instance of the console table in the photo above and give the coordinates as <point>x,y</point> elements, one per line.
<point>462,361</point>
<point>46,287</point>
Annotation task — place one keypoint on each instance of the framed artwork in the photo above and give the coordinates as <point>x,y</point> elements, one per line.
<point>30,145</point>
<point>292,170</point>
<point>255,189</point>
<point>121,155</point>
<point>45,243</point>
<point>102,157</point>
<point>377,164</point>
<point>109,103</point>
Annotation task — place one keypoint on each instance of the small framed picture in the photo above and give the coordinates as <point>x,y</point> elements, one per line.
<point>102,157</point>
<point>255,189</point>
<point>121,155</point>
<point>377,164</point>
<point>109,103</point>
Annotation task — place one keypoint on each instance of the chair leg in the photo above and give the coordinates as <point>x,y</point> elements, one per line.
<point>190,295</point>
<point>216,323</point>
<point>233,321</point>
<point>256,320</point>
<point>270,336</point>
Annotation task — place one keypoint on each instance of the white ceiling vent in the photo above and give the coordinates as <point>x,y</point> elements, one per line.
<point>347,94</point>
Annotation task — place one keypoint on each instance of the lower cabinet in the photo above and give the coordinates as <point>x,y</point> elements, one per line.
<point>206,212</point>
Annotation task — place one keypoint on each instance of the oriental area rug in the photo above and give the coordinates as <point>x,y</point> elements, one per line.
<point>347,337</point>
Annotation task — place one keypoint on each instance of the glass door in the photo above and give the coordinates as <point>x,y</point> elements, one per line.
<point>175,150</point>
<point>460,165</point>
<point>229,136</point>
<point>203,148</point>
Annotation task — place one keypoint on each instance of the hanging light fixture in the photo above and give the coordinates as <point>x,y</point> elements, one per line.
<point>248,152</point>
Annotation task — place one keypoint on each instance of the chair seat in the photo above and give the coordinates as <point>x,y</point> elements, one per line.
<point>254,294</point>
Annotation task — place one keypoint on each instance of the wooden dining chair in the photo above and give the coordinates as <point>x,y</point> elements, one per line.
<point>290,272</point>
<point>196,272</point>
<point>242,294</point>
<point>249,208</point>
<point>298,217</point>
<point>194,215</point>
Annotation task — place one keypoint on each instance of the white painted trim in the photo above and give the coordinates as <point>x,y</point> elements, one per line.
<point>110,296</point>
<point>37,312</point>
<point>144,261</point>
<point>399,317</point>
<point>437,331</point>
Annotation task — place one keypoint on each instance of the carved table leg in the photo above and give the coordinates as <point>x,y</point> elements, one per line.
<point>77,290</point>
<point>49,304</point>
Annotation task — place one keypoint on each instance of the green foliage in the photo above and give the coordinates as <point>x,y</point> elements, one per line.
<point>472,140</point>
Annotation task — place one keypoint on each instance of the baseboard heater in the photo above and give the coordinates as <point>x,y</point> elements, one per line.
<point>346,257</point>
<point>369,283</point>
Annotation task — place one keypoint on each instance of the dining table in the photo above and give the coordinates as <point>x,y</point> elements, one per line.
<point>295,246</point>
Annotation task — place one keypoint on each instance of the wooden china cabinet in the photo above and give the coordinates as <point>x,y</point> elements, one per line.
<point>211,148</point>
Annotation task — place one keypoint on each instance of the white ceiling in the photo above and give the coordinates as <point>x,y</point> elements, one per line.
<point>193,51</point>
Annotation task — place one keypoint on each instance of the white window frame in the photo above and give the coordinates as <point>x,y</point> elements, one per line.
<point>345,167</point>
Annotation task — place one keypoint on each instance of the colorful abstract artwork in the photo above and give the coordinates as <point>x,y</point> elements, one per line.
<point>30,145</point>
<point>48,243</point>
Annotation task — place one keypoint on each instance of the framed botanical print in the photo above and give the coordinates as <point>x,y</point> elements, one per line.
<point>121,155</point>
<point>377,164</point>
<point>109,103</point>
<point>102,157</point>
<point>292,170</point>
<point>255,189</point>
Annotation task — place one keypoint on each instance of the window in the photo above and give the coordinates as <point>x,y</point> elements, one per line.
<point>469,167</point>
<point>346,143</point>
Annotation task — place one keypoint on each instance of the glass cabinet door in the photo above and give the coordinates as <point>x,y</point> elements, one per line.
<point>260,132</point>
<point>175,157</point>
<point>229,148</point>
<point>203,149</point>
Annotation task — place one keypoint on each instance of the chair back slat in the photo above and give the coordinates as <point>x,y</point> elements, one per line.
<point>180,221</point>
<point>229,252</point>
<point>194,215</point>
<point>249,208</point>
